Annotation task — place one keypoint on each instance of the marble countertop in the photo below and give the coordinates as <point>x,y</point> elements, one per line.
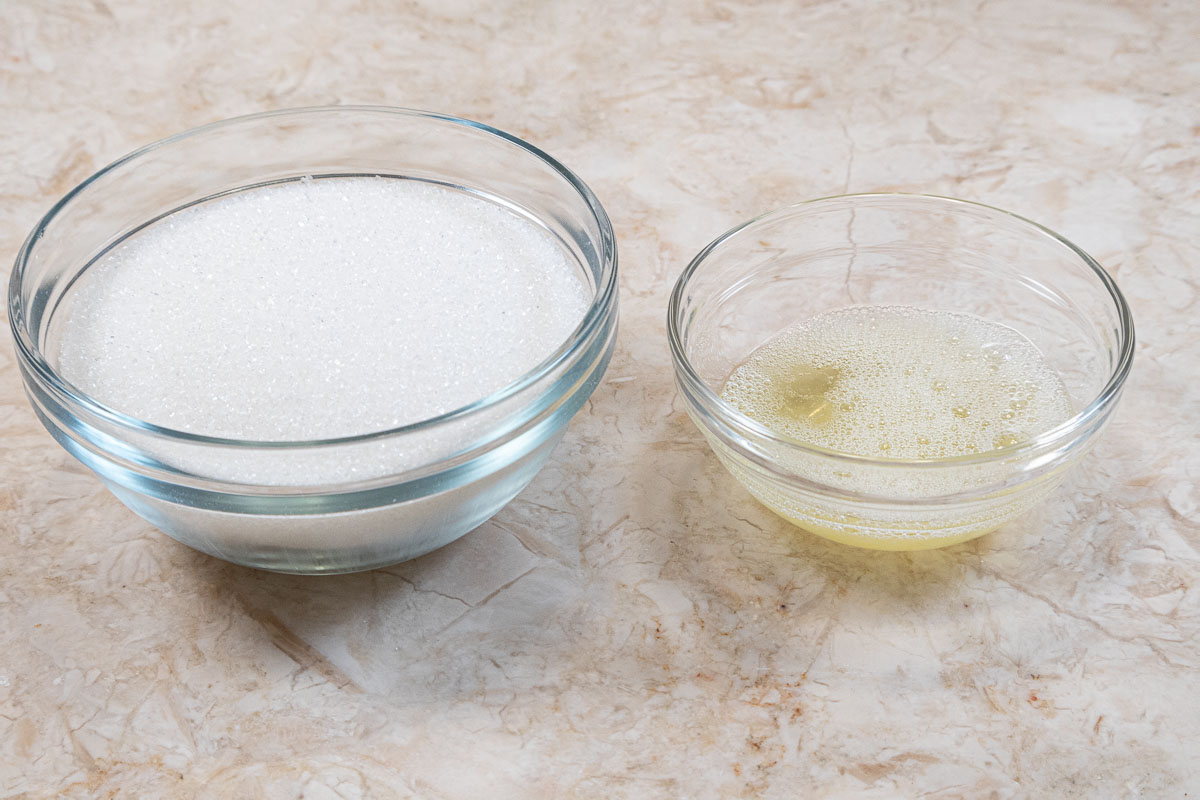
<point>634,625</point>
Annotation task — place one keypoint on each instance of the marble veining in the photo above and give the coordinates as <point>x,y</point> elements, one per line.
<point>634,625</point>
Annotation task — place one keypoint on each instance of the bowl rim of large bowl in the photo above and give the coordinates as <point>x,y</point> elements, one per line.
<point>1047,440</point>
<point>599,309</point>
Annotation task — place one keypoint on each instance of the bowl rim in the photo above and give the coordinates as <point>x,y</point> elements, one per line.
<point>1062,433</point>
<point>599,309</point>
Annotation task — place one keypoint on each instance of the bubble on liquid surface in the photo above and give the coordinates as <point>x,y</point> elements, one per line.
<point>900,382</point>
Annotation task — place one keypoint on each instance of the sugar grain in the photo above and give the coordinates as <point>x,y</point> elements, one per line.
<point>319,308</point>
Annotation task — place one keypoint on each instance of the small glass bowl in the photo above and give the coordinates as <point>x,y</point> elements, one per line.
<point>336,505</point>
<point>936,253</point>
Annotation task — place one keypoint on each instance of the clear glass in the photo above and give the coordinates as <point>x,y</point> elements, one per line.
<point>893,249</point>
<point>428,483</point>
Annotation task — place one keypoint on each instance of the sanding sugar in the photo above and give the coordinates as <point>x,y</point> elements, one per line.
<point>319,308</point>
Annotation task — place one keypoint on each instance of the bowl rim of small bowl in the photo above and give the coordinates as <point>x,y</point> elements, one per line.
<point>601,306</point>
<point>744,425</point>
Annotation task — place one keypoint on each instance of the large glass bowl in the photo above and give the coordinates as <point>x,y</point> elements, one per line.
<point>335,505</point>
<point>893,249</point>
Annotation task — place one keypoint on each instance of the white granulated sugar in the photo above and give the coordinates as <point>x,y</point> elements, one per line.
<point>320,308</point>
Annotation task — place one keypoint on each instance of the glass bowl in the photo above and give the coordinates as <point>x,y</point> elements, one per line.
<point>935,253</point>
<point>335,505</point>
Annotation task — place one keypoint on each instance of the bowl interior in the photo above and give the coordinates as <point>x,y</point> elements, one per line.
<point>251,151</point>
<point>934,253</point>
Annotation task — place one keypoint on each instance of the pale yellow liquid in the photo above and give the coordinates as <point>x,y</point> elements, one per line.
<point>896,382</point>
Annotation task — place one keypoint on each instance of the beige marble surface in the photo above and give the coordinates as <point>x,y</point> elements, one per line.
<point>634,626</point>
